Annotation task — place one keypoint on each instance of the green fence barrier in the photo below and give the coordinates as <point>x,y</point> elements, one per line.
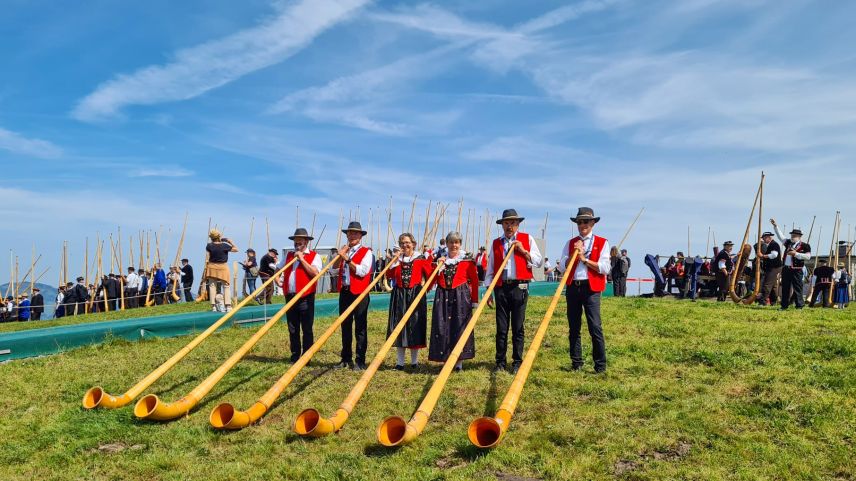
<point>40,342</point>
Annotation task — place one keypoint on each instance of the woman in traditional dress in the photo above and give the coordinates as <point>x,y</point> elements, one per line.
<point>408,274</point>
<point>841,283</point>
<point>217,270</point>
<point>457,294</point>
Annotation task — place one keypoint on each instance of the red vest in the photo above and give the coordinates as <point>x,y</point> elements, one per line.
<point>521,268</point>
<point>420,270</point>
<point>301,278</point>
<point>358,284</point>
<point>597,281</point>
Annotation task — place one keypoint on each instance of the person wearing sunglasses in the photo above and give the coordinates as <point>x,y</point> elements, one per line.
<point>585,285</point>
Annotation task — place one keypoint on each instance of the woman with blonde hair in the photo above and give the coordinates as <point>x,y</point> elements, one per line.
<point>408,274</point>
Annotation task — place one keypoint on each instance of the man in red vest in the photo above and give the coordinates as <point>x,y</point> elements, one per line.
<point>585,284</point>
<point>355,275</point>
<point>512,288</point>
<point>302,315</point>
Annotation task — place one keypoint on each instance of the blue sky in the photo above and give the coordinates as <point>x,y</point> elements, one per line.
<point>129,114</point>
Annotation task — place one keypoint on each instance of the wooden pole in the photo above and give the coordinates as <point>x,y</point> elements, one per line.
<point>267,231</point>
<point>296,217</point>
<point>708,242</point>
<point>86,272</point>
<point>412,211</point>
<point>312,231</point>
<point>810,230</point>
<point>339,231</point>
<point>835,247</point>
<point>630,229</point>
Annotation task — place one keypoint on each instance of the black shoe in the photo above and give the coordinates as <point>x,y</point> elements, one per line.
<point>344,365</point>
<point>358,367</point>
<point>514,368</point>
<point>459,368</point>
<point>600,371</point>
<point>399,367</point>
<point>499,368</point>
<point>294,359</point>
<point>577,368</point>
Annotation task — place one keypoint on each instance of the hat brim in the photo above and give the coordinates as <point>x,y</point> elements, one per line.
<point>302,237</point>
<point>510,218</point>
<point>345,231</point>
<point>595,219</point>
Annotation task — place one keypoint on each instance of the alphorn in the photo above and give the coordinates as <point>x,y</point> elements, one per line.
<point>486,432</point>
<point>745,250</point>
<point>152,408</point>
<point>225,416</point>
<point>97,397</point>
<point>394,430</point>
<point>750,299</point>
<point>309,421</point>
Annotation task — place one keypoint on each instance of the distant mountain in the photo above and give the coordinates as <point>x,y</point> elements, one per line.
<point>48,292</point>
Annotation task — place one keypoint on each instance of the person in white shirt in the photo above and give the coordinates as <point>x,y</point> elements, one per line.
<point>132,288</point>
<point>586,282</point>
<point>797,253</point>
<point>301,316</point>
<point>355,275</point>
<point>512,288</point>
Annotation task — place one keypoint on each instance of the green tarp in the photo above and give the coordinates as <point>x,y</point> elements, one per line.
<point>39,342</point>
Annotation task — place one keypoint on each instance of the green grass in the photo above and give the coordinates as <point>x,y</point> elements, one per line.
<point>179,308</point>
<point>694,391</point>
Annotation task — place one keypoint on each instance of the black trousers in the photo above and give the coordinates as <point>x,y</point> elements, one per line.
<point>188,296</point>
<point>820,290</point>
<point>130,298</point>
<point>722,284</point>
<point>157,294</point>
<point>35,316</point>
<point>619,286</point>
<point>792,284</point>
<point>768,285</point>
<point>357,321</point>
<point>511,299</point>
<point>300,317</point>
<point>581,298</point>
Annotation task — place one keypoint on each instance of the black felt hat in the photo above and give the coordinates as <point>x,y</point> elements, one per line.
<point>354,226</point>
<point>510,214</point>
<point>301,232</point>
<point>585,213</point>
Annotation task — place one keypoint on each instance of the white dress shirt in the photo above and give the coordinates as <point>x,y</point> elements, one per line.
<point>581,273</point>
<point>789,260</point>
<point>292,278</point>
<point>773,254</point>
<point>511,266</point>
<point>133,281</point>
<point>363,268</point>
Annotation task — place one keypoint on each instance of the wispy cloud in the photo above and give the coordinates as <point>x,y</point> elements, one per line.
<point>173,171</point>
<point>20,145</point>
<point>198,69</point>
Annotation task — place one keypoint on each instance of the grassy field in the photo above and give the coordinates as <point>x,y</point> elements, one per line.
<point>694,391</point>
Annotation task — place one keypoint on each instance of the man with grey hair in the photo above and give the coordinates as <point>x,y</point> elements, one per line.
<point>512,288</point>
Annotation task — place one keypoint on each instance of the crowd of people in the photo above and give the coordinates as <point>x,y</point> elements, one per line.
<point>23,308</point>
<point>784,279</point>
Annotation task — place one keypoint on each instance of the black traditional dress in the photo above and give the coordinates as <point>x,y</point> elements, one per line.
<point>457,291</point>
<point>408,276</point>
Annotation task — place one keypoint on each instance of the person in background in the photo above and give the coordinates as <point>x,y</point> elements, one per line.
<point>132,289</point>
<point>37,305</point>
<point>481,263</point>
<point>548,269</point>
<point>144,288</point>
<point>77,297</point>
<point>218,269</point>
<point>821,280</point>
<point>23,308</point>
<point>512,289</point>
<point>158,284</point>
<point>797,253</point>
<point>771,268</point>
<point>174,285</point>
<point>585,284</point>
<point>441,251</point>
<point>841,280</point>
<point>724,266</point>
<point>251,272</point>
<point>187,280</point>
<point>333,272</point>
<point>619,270</point>
<point>59,307</point>
<point>267,268</point>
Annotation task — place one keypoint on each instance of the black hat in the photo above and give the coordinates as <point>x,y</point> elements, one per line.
<point>130,269</point>
<point>301,232</point>
<point>767,234</point>
<point>822,261</point>
<point>185,260</point>
<point>273,250</point>
<point>354,226</point>
<point>251,250</point>
<point>796,232</point>
<point>69,284</point>
<point>510,214</point>
<point>727,243</point>
<point>585,213</point>
<point>36,289</point>
<point>79,279</point>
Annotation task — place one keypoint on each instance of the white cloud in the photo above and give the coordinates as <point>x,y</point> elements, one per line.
<point>198,69</point>
<point>173,171</point>
<point>18,144</point>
